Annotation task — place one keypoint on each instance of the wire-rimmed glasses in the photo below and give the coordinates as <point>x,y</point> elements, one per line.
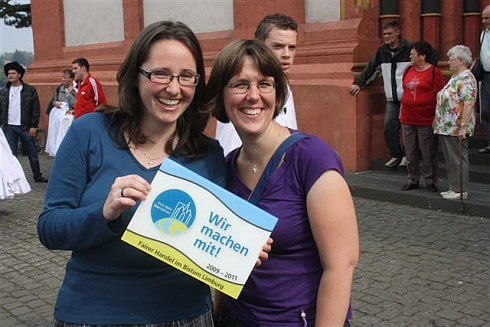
<point>243,87</point>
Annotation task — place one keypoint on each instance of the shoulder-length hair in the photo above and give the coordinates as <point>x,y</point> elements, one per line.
<point>229,64</point>
<point>192,143</point>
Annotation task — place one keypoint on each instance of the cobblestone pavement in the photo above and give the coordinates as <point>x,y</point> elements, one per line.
<point>417,267</point>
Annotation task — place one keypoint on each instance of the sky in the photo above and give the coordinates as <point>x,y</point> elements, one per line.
<point>12,38</point>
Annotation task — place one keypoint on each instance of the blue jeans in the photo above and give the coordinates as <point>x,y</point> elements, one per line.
<point>13,134</point>
<point>392,129</point>
<point>485,104</point>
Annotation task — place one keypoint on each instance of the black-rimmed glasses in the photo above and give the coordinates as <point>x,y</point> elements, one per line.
<point>161,77</point>
<point>242,87</point>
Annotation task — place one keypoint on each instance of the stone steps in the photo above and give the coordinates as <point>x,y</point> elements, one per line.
<point>384,184</point>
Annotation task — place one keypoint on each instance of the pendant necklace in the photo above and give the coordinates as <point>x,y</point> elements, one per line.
<point>14,91</point>
<point>255,167</point>
<point>150,159</point>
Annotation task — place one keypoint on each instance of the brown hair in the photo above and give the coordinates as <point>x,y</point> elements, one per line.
<point>229,64</point>
<point>190,125</point>
<point>278,20</point>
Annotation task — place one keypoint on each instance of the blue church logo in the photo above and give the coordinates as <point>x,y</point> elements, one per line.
<point>173,212</point>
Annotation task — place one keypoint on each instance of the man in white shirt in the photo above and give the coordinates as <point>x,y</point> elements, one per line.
<point>280,33</point>
<point>485,84</point>
<point>20,111</point>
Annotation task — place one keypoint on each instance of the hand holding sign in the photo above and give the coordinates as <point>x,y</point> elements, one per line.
<point>201,229</point>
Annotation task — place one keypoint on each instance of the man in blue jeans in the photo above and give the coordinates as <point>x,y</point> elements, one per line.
<point>20,112</point>
<point>391,59</point>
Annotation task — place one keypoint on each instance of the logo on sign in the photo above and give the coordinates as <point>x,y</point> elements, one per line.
<point>173,212</point>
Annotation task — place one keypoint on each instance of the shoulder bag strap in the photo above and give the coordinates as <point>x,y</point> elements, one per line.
<point>257,192</point>
<point>481,42</point>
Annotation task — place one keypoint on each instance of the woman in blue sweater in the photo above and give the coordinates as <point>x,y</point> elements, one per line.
<point>104,168</point>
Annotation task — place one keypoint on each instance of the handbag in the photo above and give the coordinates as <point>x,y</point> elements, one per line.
<point>477,69</point>
<point>256,194</point>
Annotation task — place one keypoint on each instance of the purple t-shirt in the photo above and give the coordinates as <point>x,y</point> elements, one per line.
<point>285,285</point>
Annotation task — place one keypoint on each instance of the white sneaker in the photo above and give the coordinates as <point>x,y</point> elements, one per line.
<point>393,162</point>
<point>447,192</point>
<point>455,196</point>
<point>404,162</point>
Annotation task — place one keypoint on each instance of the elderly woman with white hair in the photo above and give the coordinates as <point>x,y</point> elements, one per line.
<point>455,120</point>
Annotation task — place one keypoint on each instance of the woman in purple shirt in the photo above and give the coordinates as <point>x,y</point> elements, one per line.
<point>307,279</point>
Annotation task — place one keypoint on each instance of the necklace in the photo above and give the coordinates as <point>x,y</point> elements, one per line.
<point>255,167</point>
<point>150,159</point>
<point>14,91</point>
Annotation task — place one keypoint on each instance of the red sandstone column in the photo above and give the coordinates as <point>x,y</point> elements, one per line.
<point>48,29</point>
<point>431,18</point>
<point>472,21</point>
<point>389,11</point>
<point>134,20</point>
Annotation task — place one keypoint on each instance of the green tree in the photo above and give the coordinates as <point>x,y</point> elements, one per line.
<point>15,14</point>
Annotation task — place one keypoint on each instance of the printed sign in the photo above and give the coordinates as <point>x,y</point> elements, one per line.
<point>200,228</point>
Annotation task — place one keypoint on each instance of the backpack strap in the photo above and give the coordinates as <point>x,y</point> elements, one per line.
<point>410,67</point>
<point>405,72</point>
<point>257,192</point>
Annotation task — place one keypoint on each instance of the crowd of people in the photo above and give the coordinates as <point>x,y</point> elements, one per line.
<point>20,115</point>
<point>106,157</point>
<point>428,110</point>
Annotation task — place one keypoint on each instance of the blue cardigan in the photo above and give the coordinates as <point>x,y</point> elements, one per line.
<point>108,281</point>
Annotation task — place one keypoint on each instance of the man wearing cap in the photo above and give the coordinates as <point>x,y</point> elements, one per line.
<point>20,112</point>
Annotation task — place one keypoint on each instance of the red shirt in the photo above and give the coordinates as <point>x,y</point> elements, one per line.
<point>89,96</point>
<point>419,95</point>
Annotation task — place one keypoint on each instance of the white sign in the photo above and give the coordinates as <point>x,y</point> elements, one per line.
<point>200,228</point>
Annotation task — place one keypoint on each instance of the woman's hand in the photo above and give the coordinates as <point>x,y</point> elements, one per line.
<point>124,194</point>
<point>462,132</point>
<point>264,254</point>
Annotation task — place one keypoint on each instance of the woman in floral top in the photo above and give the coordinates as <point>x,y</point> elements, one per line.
<point>455,119</point>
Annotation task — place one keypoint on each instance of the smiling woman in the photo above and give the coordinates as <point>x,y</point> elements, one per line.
<point>103,169</point>
<point>306,191</point>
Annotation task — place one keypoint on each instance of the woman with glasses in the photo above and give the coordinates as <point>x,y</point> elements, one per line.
<point>104,168</point>
<point>455,121</point>
<point>307,278</point>
<point>421,82</point>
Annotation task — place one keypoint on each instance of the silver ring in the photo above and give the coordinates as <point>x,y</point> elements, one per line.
<point>122,195</point>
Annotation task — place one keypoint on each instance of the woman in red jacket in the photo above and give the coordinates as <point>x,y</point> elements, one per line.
<point>421,82</point>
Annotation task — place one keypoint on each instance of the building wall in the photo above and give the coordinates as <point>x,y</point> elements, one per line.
<point>202,16</point>
<point>336,39</point>
<point>84,25</point>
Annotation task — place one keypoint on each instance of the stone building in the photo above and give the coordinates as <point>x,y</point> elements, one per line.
<point>336,39</point>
